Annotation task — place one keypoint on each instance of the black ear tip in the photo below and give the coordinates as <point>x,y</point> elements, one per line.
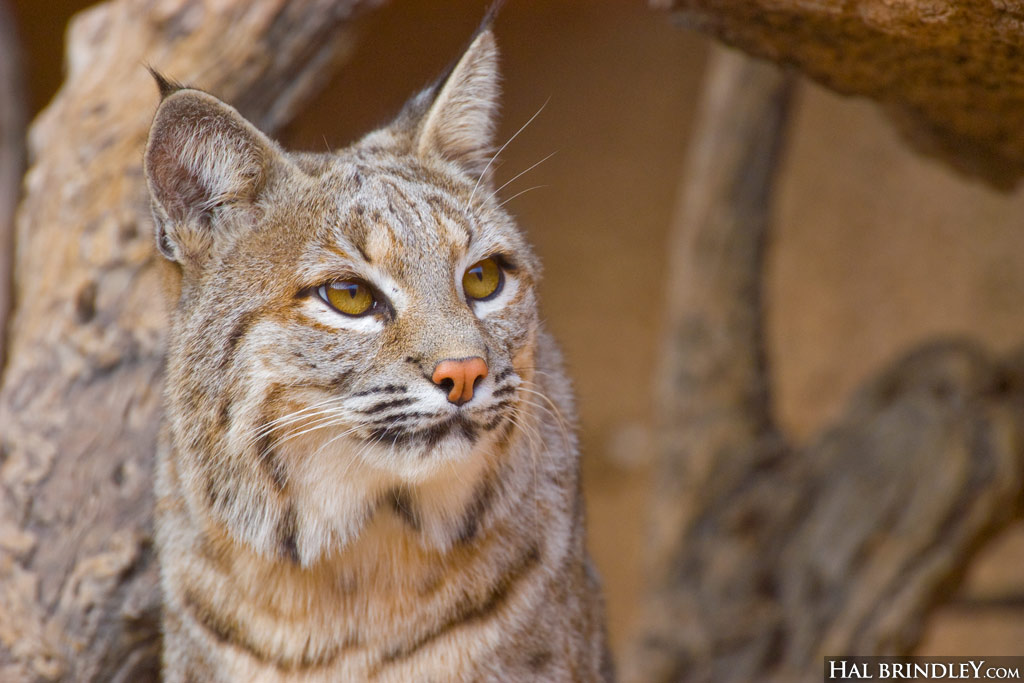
<point>490,15</point>
<point>166,85</point>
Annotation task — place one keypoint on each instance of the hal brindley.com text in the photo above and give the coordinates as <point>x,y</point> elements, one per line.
<point>922,668</point>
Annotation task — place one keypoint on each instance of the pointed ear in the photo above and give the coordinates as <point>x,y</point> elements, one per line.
<point>202,156</point>
<point>459,125</point>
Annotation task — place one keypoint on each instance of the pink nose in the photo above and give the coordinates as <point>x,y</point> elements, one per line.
<point>459,377</point>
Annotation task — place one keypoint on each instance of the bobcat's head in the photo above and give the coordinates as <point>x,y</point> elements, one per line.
<point>347,328</point>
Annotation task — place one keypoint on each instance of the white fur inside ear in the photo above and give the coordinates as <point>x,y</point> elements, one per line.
<point>460,123</point>
<point>226,169</point>
<point>201,154</point>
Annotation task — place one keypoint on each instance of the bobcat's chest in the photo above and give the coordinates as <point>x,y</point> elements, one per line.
<point>386,609</point>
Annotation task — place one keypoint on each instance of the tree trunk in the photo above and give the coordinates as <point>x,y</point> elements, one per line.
<point>766,557</point>
<point>80,399</point>
<point>12,155</point>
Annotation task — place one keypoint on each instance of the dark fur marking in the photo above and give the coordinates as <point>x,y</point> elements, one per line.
<point>336,383</point>
<point>437,201</point>
<point>498,407</point>
<point>224,414</point>
<point>362,252</point>
<point>222,628</point>
<point>358,238</point>
<point>467,610</point>
<point>266,456</point>
<point>468,430</point>
<point>231,633</point>
<point>433,582</point>
<point>539,660</point>
<point>428,437</point>
<point>392,421</point>
<point>212,491</point>
<point>503,374</point>
<point>386,389</point>
<point>498,414</point>
<point>287,534</point>
<point>483,498</point>
<point>493,423</point>
<point>384,405</point>
<point>402,504</point>
<point>212,554</point>
<point>505,390</point>
<point>242,325</point>
<point>167,86</point>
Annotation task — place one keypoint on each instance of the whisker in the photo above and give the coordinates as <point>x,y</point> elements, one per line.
<point>522,192</point>
<point>295,415</point>
<point>325,423</point>
<point>517,175</point>
<point>553,411</point>
<point>335,438</point>
<point>312,420</point>
<point>469,202</point>
<point>533,450</point>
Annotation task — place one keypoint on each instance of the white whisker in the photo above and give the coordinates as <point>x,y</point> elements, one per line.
<point>522,192</point>
<point>517,175</point>
<point>502,148</point>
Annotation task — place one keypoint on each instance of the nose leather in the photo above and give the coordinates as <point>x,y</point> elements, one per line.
<point>462,374</point>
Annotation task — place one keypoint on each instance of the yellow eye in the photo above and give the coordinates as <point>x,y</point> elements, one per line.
<point>483,279</point>
<point>348,297</point>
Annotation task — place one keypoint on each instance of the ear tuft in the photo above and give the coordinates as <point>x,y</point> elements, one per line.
<point>201,155</point>
<point>166,85</point>
<point>460,123</point>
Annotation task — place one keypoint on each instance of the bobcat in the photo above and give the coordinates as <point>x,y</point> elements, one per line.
<point>365,471</point>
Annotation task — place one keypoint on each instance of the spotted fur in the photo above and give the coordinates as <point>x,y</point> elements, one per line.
<point>324,513</point>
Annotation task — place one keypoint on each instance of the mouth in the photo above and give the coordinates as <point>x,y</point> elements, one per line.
<point>455,426</point>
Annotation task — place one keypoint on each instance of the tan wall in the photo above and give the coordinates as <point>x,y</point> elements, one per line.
<point>874,249</point>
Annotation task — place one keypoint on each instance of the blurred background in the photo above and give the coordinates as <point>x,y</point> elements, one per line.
<point>874,249</point>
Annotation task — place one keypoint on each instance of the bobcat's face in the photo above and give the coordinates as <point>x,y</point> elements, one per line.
<point>348,329</point>
<point>347,383</point>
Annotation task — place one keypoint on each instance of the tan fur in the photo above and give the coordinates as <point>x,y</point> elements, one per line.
<point>323,512</point>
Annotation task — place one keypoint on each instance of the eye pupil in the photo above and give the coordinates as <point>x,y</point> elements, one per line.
<point>483,280</point>
<point>359,299</point>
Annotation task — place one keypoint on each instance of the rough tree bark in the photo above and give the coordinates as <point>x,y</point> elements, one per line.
<point>767,557</point>
<point>12,154</point>
<point>79,403</point>
<point>948,71</point>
